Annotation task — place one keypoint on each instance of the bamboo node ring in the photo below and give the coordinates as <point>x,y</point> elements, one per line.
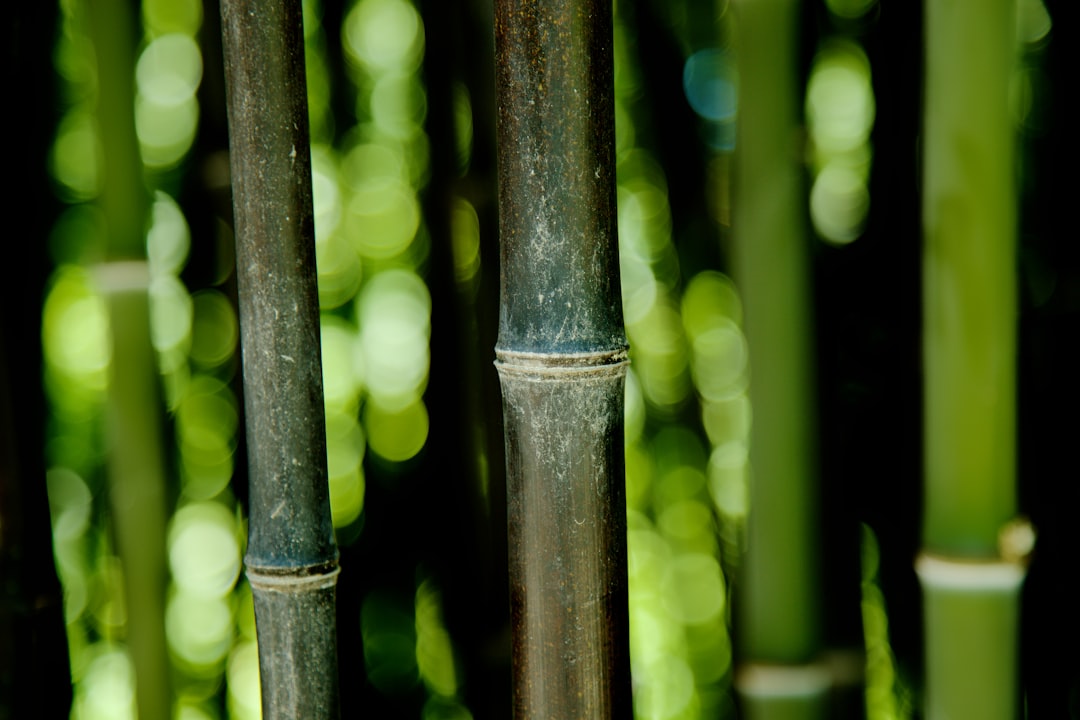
<point>294,579</point>
<point>602,362</point>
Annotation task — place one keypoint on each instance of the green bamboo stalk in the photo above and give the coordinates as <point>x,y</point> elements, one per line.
<point>561,357</point>
<point>970,582</point>
<point>779,623</point>
<point>291,558</point>
<point>135,463</point>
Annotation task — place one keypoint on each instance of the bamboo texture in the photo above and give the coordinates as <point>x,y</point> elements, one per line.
<point>292,556</point>
<point>779,621</point>
<point>970,570</point>
<point>561,356</point>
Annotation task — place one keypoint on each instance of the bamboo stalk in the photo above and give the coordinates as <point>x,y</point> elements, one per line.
<point>779,620</point>
<point>135,463</point>
<point>561,357</point>
<point>970,582</point>
<point>291,557</point>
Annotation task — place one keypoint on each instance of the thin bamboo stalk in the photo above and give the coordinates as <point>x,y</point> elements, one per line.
<point>779,620</point>
<point>135,463</point>
<point>561,356</point>
<point>971,581</point>
<point>292,556</point>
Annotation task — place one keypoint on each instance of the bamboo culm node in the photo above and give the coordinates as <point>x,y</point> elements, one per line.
<point>561,356</point>
<point>292,559</point>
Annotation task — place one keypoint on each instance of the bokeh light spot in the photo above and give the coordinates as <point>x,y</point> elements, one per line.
<point>75,328</point>
<point>710,83</point>
<point>398,105</point>
<point>839,204</point>
<point>168,240</point>
<point>465,231</point>
<point>345,445</point>
<point>76,158</point>
<point>694,588</point>
<point>215,330</point>
<point>107,690</point>
<point>199,631</point>
<point>394,312</point>
<point>165,131</point>
<point>382,218</point>
<point>207,420</point>
<point>382,35</point>
<point>710,300</point>
<point>396,435</point>
<point>242,679</point>
<point>204,552</point>
<point>340,345</point>
<point>727,479</point>
<point>171,313</point>
<point>169,70</point>
<point>839,98</point>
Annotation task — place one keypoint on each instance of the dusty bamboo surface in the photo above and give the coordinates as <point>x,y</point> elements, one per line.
<point>291,557</point>
<point>561,357</point>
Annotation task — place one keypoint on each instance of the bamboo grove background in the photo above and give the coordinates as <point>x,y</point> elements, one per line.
<point>116,117</point>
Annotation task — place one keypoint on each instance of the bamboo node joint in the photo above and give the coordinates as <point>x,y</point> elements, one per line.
<point>311,577</point>
<point>969,574</point>
<point>596,363</point>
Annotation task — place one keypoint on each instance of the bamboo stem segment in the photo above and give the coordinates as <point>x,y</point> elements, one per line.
<point>561,357</point>
<point>780,612</point>
<point>971,615</point>
<point>970,575</point>
<point>969,290</point>
<point>136,458</point>
<point>291,557</point>
<point>779,620</point>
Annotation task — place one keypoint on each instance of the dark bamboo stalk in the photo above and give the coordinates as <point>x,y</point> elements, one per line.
<point>291,557</point>
<point>561,356</point>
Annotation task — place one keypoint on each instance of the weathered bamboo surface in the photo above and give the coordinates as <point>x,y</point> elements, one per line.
<point>291,556</point>
<point>561,357</point>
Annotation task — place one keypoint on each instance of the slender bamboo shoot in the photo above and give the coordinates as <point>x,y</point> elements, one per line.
<point>779,618</point>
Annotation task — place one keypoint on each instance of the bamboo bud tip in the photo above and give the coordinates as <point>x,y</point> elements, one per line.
<point>1016,540</point>
<point>765,680</point>
<point>969,574</point>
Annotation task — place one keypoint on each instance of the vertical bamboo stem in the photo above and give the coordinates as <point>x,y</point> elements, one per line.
<point>779,619</point>
<point>970,582</point>
<point>136,465</point>
<point>291,557</point>
<point>561,357</point>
